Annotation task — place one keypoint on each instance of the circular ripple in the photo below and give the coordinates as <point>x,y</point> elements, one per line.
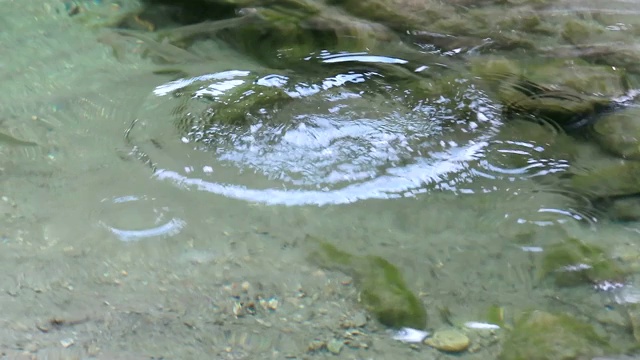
<point>512,159</point>
<point>133,218</point>
<point>342,138</point>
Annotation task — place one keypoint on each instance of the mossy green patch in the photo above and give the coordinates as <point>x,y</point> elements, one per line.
<point>621,178</point>
<point>619,132</point>
<point>383,291</point>
<point>574,262</point>
<point>235,107</point>
<point>539,335</point>
<point>576,31</point>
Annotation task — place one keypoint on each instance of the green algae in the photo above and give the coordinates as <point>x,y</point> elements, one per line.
<point>495,315</point>
<point>234,107</point>
<point>576,31</point>
<point>621,178</point>
<point>538,335</point>
<point>574,262</point>
<point>562,92</point>
<point>383,291</point>
<point>619,133</point>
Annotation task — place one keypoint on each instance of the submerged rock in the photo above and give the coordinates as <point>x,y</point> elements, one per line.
<point>576,31</point>
<point>626,208</point>
<point>204,107</point>
<point>566,93</point>
<point>619,179</point>
<point>612,187</point>
<point>383,291</point>
<point>401,15</point>
<point>449,341</point>
<point>619,133</point>
<point>539,335</point>
<point>574,262</point>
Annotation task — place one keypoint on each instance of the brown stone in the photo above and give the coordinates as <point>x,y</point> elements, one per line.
<point>449,341</point>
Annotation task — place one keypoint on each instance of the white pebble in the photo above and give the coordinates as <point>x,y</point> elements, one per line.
<point>410,335</point>
<point>481,325</point>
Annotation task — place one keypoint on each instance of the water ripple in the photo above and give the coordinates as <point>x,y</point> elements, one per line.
<point>133,218</point>
<point>336,139</point>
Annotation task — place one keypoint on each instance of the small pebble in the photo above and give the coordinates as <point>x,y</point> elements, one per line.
<point>481,325</point>
<point>316,345</point>
<point>449,341</point>
<point>66,342</point>
<point>356,321</point>
<point>409,335</point>
<point>360,319</point>
<point>335,346</point>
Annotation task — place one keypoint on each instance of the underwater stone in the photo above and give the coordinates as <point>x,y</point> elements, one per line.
<point>619,132</point>
<point>617,180</point>
<point>573,262</point>
<point>449,341</point>
<point>623,209</point>
<point>237,106</point>
<point>577,31</point>
<point>569,93</point>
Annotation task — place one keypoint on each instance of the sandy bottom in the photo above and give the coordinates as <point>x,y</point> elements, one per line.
<point>213,277</point>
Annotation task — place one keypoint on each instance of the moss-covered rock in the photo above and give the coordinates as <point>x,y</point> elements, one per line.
<point>618,179</point>
<point>539,335</point>
<point>574,262</point>
<point>621,209</point>
<point>580,76</point>
<point>619,132</point>
<point>576,31</point>
<point>564,107</point>
<point>611,185</point>
<point>569,94</point>
<point>493,71</point>
<point>383,291</point>
<point>574,74</point>
<point>401,15</point>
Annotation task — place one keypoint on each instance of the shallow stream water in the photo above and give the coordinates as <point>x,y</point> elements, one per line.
<point>123,239</point>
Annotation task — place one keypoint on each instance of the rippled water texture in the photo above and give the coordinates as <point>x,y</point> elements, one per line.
<point>338,139</point>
